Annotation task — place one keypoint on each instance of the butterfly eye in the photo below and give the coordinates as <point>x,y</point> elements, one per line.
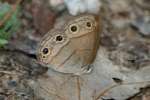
<point>45,51</point>
<point>59,38</point>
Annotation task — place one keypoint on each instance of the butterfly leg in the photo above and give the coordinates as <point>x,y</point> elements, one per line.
<point>87,68</point>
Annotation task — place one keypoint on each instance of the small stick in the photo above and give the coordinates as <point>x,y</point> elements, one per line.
<point>78,88</point>
<point>7,72</point>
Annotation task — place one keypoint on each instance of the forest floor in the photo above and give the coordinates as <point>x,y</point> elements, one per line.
<point>125,27</point>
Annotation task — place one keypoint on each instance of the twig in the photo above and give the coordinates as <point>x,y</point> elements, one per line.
<point>9,14</point>
<point>78,88</point>
<point>7,72</point>
<point>116,85</point>
<point>105,91</point>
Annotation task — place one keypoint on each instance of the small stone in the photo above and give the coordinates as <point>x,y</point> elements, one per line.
<point>2,97</point>
<point>12,83</point>
<point>143,25</point>
<point>76,7</point>
<point>57,4</point>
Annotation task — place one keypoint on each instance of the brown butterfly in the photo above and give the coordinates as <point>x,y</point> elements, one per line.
<point>73,47</point>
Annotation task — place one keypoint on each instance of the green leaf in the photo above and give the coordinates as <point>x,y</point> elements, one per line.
<point>3,42</point>
<point>11,25</point>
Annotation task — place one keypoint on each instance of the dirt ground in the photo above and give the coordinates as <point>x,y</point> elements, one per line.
<point>126,29</point>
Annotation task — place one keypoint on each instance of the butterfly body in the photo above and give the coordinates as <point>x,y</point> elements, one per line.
<point>73,48</point>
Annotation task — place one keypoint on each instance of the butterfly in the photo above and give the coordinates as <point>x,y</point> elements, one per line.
<point>73,47</point>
